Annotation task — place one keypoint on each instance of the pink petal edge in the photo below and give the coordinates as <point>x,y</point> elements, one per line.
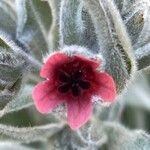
<point>44,100</point>
<point>107,88</point>
<point>52,60</point>
<point>78,112</point>
<point>92,62</point>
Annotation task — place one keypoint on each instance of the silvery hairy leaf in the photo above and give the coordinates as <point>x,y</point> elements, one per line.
<point>120,138</point>
<point>144,37</point>
<point>11,74</point>
<point>134,24</point>
<point>67,139</point>
<point>92,134</point>
<point>89,38</point>
<point>6,41</point>
<point>15,62</point>
<point>33,24</point>
<point>13,146</point>
<point>100,135</point>
<point>110,112</point>
<point>30,134</point>
<point>53,36</point>
<point>113,41</point>
<point>135,15</point>
<point>23,100</point>
<point>143,56</point>
<point>88,137</point>
<point>11,66</point>
<point>138,97</point>
<point>76,26</point>
<point>142,46</point>
<point>7,18</point>
<point>70,22</point>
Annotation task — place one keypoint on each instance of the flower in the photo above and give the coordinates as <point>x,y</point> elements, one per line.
<point>72,80</point>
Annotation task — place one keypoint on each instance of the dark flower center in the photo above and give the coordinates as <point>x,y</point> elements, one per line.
<point>73,82</point>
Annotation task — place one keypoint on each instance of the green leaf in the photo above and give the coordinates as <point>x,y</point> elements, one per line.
<point>143,56</point>
<point>144,37</point>
<point>135,25</point>
<point>18,50</point>
<point>30,134</point>
<point>23,100</point>
<point>71,26</point>
<point>120,138</point>
<point>42,14</point>
<point>53,36</point>
<point>7,18</point>
<point>89,38</point>
<point>136,17</point>
<point>13,146</point>
<point>119,4</point>
<point>12,69</point>
<point>11,66</point>
<point>34,20</point>
<point>138,94</point>
<point>113,41</point>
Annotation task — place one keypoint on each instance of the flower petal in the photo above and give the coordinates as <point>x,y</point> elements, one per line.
<point>52,62</point>
<point>107,88</point>
<point>79,111</point>
<point>44,97</point>
<point>64,88</point>
<point>84,84</point>
<point>91,62</point>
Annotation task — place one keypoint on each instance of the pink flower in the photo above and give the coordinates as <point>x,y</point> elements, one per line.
<point>72,80</point>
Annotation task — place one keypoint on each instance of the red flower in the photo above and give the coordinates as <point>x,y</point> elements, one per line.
<point>72,80</point>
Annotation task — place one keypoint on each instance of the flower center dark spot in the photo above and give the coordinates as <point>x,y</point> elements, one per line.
<point>73,82</point>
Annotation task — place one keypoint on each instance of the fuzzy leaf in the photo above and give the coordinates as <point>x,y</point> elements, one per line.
<point>34,20</point>
<point>54,31</point>
<point>30,134</point>
<point>71,25</point>
<point>92,135</point>
<point>113,41</point>
<point>136,18</point>
<point>119,4</point>
<point>6,96</point>
<point>23,100</point>
<point>12,69</point>
<point>112,112</point>
<point>143,56</point>
<point>120,138</point>
<point>13,146</point>
<point>76,26</point>
<point>88,137</point>
<point>11,66</point>
<point>142,46</point>
<point>67,139</point>
<point>7,18</point>
<point>99,135</point>
<point>144,37</point>
<point>135,25</point>
<point>89,38</point>
<point>14,63</point>
<point>19,50</point>
<point>42,14</point>
<point>138,97</point>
